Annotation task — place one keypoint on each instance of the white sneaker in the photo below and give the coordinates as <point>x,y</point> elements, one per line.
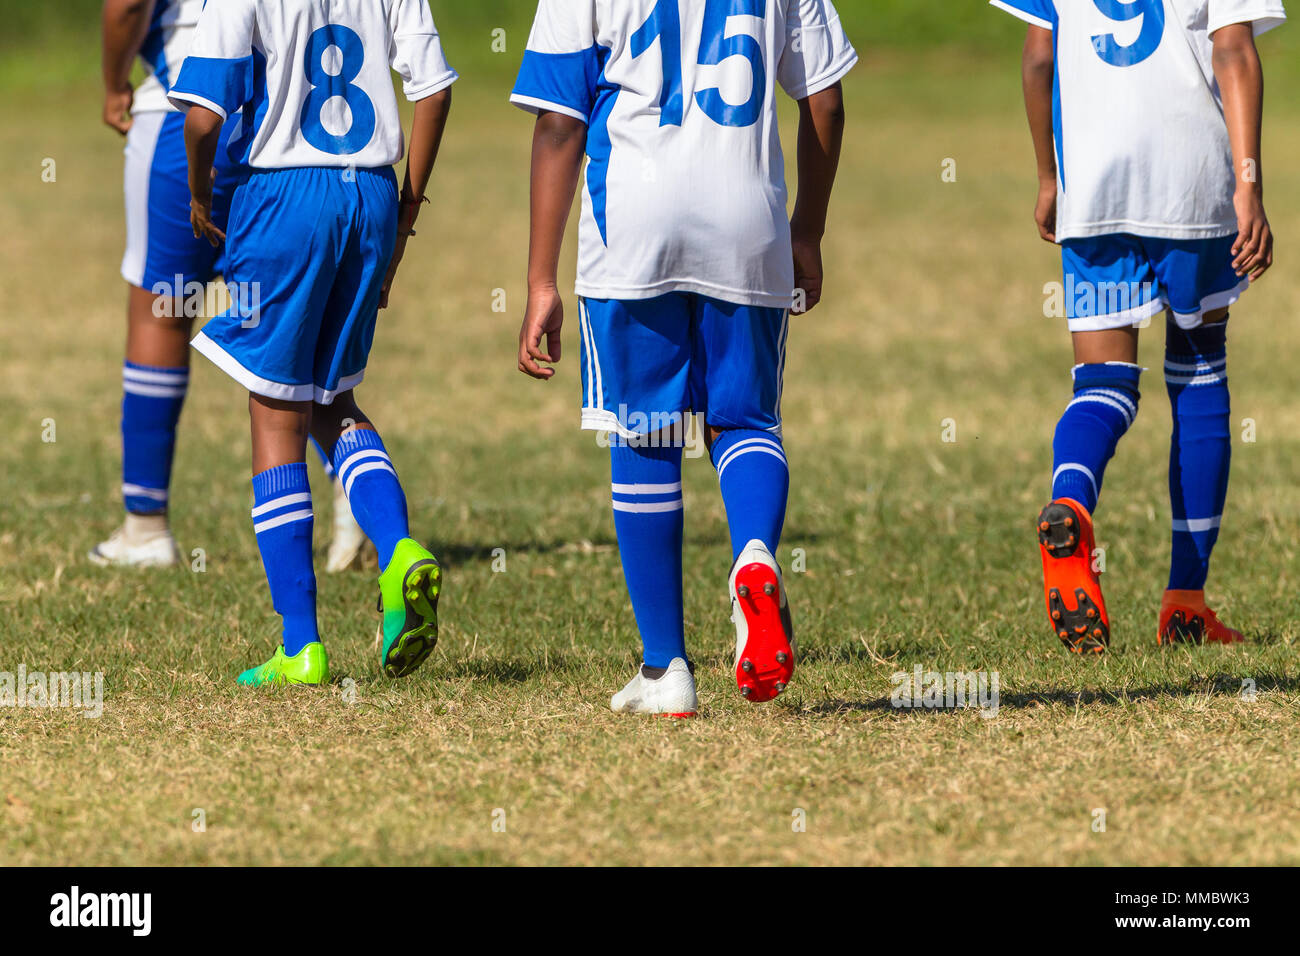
<point>765,644</point>
<point>143,541</point>
<point>348,539</point>
<point>672,695</point>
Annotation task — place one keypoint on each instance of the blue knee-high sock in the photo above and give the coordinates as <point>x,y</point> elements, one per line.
<point>151,407</point>
<point>755,483</point>
<point>282,520</point>
<point>1196,376</point>
<point>1104,405</point>
<point>648,519</point>
<point>374,493</point>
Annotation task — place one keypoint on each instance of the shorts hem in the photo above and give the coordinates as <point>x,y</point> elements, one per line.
<point>265,387</point>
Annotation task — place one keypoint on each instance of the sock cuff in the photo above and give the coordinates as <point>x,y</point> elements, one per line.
<point>148,381</point>
<point>1204,342</point>
<point>355,440</point>
<point>281,480</point>
<point>1121,376</point>
<point>735,442</point>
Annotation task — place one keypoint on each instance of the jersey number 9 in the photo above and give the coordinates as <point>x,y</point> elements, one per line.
<point>1148,39</point>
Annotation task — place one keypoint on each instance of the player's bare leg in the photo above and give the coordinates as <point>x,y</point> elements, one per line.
<point>158,350</point>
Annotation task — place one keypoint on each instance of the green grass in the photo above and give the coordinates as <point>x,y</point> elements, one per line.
<point>918,552</point>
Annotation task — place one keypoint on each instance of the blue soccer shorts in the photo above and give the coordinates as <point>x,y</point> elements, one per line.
<point>161,250</point>
<point>1122,280</point>
<point>307,253</point>
<point>647,363</point>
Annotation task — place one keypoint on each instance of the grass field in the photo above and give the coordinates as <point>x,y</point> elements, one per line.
<point>919,551</point>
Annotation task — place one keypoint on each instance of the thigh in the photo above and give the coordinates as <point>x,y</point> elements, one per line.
<point>636,358</point>
<point>1109,283</point>
<point>738,368</point>
<point>1197,277</point>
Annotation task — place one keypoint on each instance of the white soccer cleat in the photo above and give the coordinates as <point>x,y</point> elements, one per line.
<point>765,644</point>
<point>348,538</point>
<point>143,541</point>
<point>672,695</point>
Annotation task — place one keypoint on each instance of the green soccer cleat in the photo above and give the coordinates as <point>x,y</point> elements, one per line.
<point>311,665</point>
<point>408,600</point>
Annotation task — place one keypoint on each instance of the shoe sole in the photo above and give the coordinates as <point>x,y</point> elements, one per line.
<point>1083,628</point>
<point>102,561</point>
<point>766,662</point>
<point>420,590</point>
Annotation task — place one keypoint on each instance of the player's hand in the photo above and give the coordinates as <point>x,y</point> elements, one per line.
<point>542,319</point>
<point>807,272</point>
<point>117,109</point>
<point>1253,251</point>
<point>201,221</point>
<point>1045,211</point>
<point>399,250</point>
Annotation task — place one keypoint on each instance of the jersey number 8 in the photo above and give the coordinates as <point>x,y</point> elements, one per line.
<point>665,25</point>
<point>1148,39</point>
<point>325,86</point>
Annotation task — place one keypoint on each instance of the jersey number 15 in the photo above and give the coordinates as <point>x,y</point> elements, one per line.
<point>665,25</point>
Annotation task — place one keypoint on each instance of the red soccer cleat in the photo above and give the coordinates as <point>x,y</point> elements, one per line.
<point>765,646</point>
<point>1185,619</point>
<point>1070,584</point>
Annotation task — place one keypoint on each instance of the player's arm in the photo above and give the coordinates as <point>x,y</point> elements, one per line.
<point>426,139</point>
<point>1037,75</point>
<point>1241,82</point>
<point>125,24</point>
<point>559,142</point>
<point>202,134</point>
<point>821,137</point>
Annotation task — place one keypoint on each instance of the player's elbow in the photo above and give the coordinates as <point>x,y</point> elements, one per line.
<point>827,106</point>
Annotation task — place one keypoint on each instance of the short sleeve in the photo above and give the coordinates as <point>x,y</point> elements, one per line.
<point>1263,15</point>
<point>1039,13</point>
<point>218,72</point>
<point>817,51</point>
<point>562,63</point>
<point>417,54</point>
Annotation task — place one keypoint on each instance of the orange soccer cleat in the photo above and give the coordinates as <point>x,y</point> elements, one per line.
<point>1070,583</point>
<point>1184,619</point>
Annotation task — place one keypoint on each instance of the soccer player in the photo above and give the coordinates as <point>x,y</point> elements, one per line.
<point>1146,119</point>
<point>319,230</point>
<point>688,268</point>
<point>167,267</point>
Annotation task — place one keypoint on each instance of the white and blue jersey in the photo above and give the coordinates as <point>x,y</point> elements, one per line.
<point>162,255</point>
<point>685,184</point>
<point>313,77</point>
<point>313,225</point>
<point>1145,182</point>
<point>171,27</point>
<point>1141,141</point>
